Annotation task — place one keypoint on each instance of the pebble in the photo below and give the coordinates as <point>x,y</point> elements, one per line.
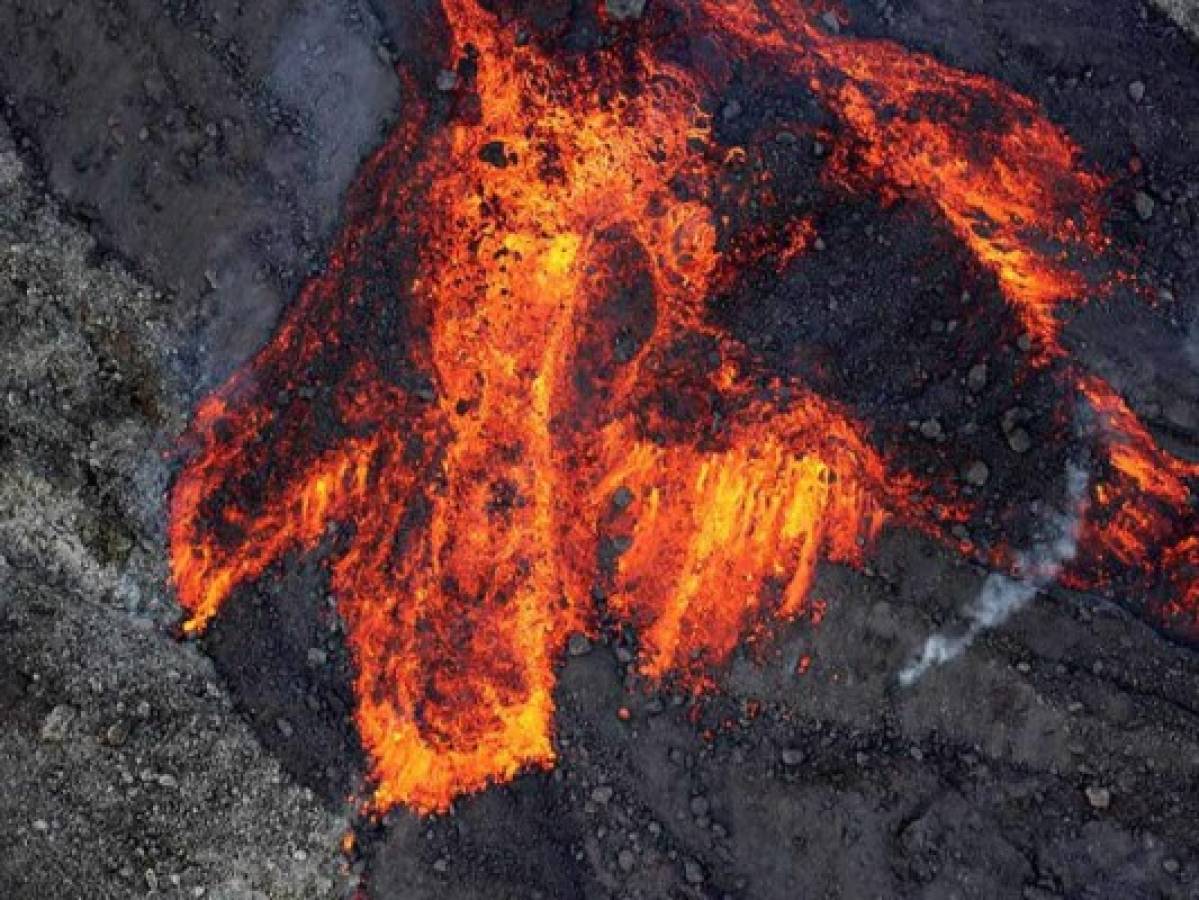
<point>831,22</point>
<point>792,757</point>
<point>1171,865</point>
<point>931,429</point>
<point>602,794</point>
<point>1136,91</point>
<point>622,10</point>
<point>977,473</point>
<point>699,806</point>
<point>1144,205</point>
<point>58,723</point>
<point>693,871</point>
<point>447,80</point>
<point>578,644</point>
<point>976,379</point>
<point>626,860</point>
<point>1099,797</point>
<point>1019,440</point>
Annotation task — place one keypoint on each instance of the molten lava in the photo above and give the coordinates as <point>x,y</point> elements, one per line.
<point>504,401</point>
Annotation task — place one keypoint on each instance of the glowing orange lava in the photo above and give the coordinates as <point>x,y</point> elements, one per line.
<point>503,395</point>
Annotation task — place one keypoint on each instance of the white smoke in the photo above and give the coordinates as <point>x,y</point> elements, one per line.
<point>1002,595</point>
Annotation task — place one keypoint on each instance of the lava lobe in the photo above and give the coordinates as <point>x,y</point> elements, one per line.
<point>506,399</point>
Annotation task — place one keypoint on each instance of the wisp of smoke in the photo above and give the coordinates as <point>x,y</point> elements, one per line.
<point>1002,595</point>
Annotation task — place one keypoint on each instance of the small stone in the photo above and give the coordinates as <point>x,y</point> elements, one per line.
<point>1136,91</point>
<point>1099,797</point>
<point>1019,440</point>
<point>1144,205</point>
<point>731,110</point>
<point>116,734</point>
<point>602,794</point>
<point>284,727</point>
<point>830,21</point>
<point>1171,866</point>
<point>792,757</point>
<point>170,782</point>
<point>1024,342</point>
<point>317,657</point>
<point>441,866</point>
<point>626,860</point>
<point>977,473</point>
<point>58,723</point>
<point>1012,418</point>
<point>693,872</point>
<point>699,806</point>
<point>447,80</point>
<point>976,378</point>
<point>623,10</point>
<point>578,644</point>
<point>931,429</point>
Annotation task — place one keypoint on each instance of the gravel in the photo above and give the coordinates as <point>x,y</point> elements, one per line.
<point>126,768</point>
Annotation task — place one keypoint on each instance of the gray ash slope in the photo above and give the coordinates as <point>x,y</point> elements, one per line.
<point>126,768</point>
<point>205,146</point>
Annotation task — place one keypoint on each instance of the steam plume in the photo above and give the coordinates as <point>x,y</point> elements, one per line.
<point>1002,595</point>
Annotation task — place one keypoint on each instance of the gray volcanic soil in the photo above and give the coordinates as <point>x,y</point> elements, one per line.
<point>168,175</point>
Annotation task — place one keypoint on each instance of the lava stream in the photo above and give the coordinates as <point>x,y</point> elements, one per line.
<point>485,411</point>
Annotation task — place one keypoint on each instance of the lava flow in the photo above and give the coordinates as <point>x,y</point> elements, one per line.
<point>504,404</point>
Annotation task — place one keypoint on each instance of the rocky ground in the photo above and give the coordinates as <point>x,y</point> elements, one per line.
<point>168,175</point>
<point>126,769</point>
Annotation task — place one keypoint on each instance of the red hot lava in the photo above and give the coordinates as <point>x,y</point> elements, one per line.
<point>471,410</point>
